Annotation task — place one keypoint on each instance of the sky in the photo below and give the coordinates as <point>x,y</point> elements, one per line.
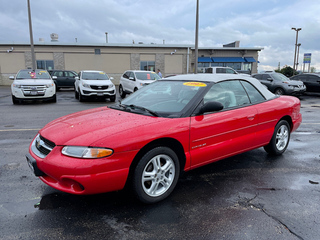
<point>255,23</point>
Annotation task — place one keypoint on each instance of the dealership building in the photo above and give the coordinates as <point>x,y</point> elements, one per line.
<point>114,59</point>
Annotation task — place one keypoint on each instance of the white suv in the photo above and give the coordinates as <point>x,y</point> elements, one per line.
<point>133,80</point>
<point>33,85</point>
<point>95,84</point>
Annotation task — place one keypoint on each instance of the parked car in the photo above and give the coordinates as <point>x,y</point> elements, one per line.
<point>133,80</point>
<point>172,125</point>
<point>94,84</point>
<point>216,70</point>
<point>311,80</point>
<point>65,78</point>
<point>32,85</point>
<point>280,84</point>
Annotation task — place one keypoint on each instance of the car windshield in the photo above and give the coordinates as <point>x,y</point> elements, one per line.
<point>163,98</point>
<point>94,76</point>
<point>147,76</point>
<point>30,74</point>
<point>280,77</point>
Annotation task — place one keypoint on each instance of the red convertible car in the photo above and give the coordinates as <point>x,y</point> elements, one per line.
<point>172,125</point>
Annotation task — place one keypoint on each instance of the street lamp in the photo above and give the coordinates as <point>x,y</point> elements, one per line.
<point>196,38</point>
<point>295,49</point>
<point>299,44</point>
<point>31,38</point>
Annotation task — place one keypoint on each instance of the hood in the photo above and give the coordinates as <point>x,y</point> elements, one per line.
<point>35,81</point>
<point>295,82</point>
<point>97,82</point>
<point>86,128</point>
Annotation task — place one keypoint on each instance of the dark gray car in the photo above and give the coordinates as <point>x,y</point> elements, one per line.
<point>311,80</point>
<point>279,84</point>
<point>65,78</point>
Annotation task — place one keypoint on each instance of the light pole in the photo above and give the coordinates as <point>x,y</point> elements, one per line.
<point>196,41</point>
<point>31,38</point>
<point>295,49</point>
<point>299,44</point>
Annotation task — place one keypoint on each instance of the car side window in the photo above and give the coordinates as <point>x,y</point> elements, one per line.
<point>228,93</point>
<point>131,75</point>
<point>254,95</point>
<point>231,71</point>
<point>69,74</point>
<point>126,75</point>
<point>265,76</point>
<point>58,74</point>
<point>220,70</point>
<point>258,76</point>
<point>313,79</point>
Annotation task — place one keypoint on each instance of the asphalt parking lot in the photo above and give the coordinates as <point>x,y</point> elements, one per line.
<point>248,196</point>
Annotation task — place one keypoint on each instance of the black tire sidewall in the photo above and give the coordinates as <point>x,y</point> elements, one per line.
<point>271,148</point>
<point>137,176</point>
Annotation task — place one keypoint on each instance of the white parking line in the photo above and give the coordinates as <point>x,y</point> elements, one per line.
<point>19,130</point>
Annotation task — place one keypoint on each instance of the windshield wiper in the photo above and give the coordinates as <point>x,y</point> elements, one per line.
<point>132,106</point>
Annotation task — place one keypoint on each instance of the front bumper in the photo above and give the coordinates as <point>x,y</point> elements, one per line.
<point>98,93</point>
<point>32,94</point>
<point>81,176</point>
<point>296,91</point>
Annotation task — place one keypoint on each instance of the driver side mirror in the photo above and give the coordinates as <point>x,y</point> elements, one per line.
<point>76,78</point>
<point>211,106</point>
<point>270,79</point>
<point>131,78</point>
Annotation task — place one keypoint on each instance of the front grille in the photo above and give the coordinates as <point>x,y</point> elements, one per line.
<point>30,90</point>
<point>99,87</point>
<point>42,146</point>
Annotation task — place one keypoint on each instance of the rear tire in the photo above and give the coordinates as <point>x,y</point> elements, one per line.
<point>280,139</point>
<point>156,175</point>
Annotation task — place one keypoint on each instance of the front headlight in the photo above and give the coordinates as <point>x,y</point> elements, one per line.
<point>16,85</point>
<point>86,85</point>
<point>86,152</point>
<point>50,85</point>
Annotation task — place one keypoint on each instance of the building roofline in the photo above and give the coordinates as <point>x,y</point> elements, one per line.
<point>136,45</point>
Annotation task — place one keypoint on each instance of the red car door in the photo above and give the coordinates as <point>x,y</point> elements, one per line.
<point>221,134</point>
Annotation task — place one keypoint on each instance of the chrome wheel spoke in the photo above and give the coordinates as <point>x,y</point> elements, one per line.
<point>158,175</point>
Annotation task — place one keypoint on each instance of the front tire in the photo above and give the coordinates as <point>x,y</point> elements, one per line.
<point>81,97</point>
<point>113,98</point>
<point>156,175</point>
<point>15,100</point>
<point>280,139</point>
<point>76,94</point>
<point>121,92</point>
<point>279,91</point>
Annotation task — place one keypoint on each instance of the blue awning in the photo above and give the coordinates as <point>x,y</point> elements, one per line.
<point>227,59</point>
<point>204,59</point>
<point>250,59</point>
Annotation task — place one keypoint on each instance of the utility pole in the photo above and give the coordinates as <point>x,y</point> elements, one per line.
<point>31,38</point>
<point>196,41</point>
<point>295,49</point>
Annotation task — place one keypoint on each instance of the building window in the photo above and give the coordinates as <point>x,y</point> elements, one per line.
<point>97,51</point>
<point>147,65</point>
<point>45,64</point>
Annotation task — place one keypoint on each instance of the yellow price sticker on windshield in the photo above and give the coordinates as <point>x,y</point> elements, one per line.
<point>195,84</point>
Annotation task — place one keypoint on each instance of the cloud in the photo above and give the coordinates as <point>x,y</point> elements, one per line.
<point>255,23</point>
